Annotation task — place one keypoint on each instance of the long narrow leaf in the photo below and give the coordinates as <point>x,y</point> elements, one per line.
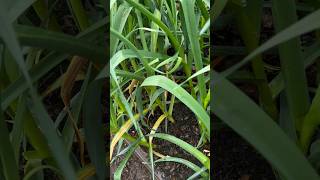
<point>305,25</point>
<point>182,95</point>
<point>189,148</point>
<point>247,119</point>
<point>7,157</point>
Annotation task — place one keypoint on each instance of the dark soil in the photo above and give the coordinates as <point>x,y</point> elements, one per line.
<point>235,159</point>
<point>185,128</point>
<point>134,169</point>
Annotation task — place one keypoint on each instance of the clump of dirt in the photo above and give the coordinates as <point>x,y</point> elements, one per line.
<point>186,128</point>
<point>235,159</point>
<point>133,170</point>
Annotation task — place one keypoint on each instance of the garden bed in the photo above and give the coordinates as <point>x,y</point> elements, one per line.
<point>235,159</point>
<point>185,128</point>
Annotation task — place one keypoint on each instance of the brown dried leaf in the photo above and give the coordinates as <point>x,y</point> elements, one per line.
<point>71,74</point>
